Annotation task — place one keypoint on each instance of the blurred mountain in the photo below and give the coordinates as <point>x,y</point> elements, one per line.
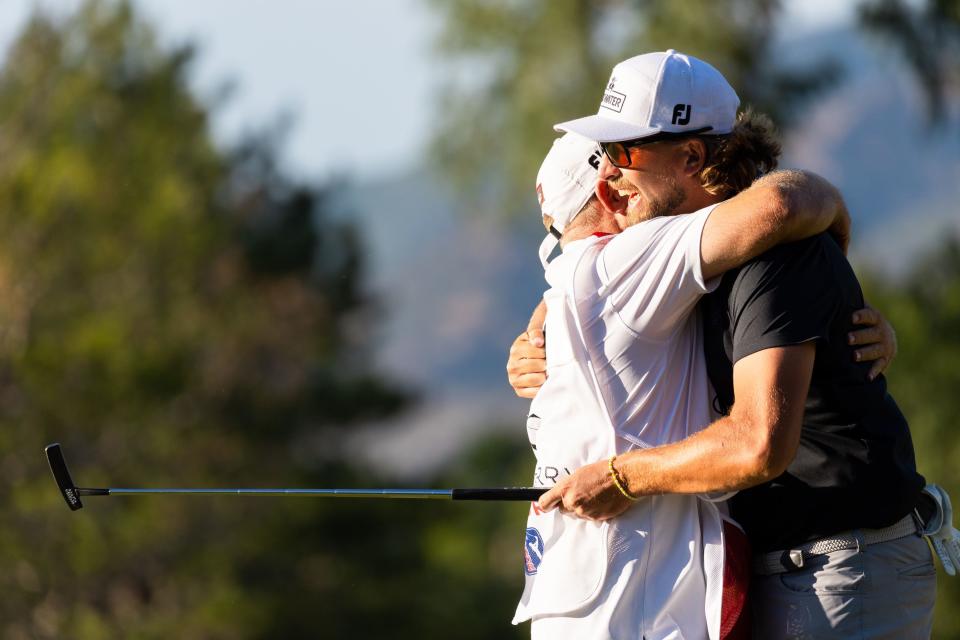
<point>900,176</point>
<point>458,280</point>
<point>457,286</point>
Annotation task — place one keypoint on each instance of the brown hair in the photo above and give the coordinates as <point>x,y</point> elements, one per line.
<point>734,161</point>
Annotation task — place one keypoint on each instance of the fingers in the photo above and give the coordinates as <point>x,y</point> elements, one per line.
<point>523,354</point>
<point>536,337</point>
<point>527,386</point>
<point>878,367</point>
<point>879,342</point>
<point>528,381</point>
<point>526,367</point>
<point>524,372</point>
<point>870,335</point>
<point>526,390</point>
<point>870,353</point>
<point>551,499</point>
<point>535,326</point>
<point>527,363</point>
<point>867,315</point>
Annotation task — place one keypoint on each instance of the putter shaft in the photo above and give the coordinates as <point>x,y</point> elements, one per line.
<point>424,494</point>
<point>71,493</point>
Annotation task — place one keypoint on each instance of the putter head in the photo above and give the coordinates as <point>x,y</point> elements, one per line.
<point>62,476</point>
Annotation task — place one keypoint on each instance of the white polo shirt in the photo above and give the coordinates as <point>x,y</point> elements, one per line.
<point>625,369</point>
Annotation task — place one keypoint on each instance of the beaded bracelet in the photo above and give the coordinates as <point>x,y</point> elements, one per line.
<point>617,482</point>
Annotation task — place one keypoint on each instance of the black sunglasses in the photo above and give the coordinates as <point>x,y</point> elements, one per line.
<point>619,152</point>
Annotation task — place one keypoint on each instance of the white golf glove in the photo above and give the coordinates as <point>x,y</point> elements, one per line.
<point>944,537</point>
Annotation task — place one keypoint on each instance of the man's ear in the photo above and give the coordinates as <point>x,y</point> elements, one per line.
<point>612,205</point>
<point>610,199</point>
<point>694,156</point>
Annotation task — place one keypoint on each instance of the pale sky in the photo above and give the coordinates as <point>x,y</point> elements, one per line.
<point>357,76</point>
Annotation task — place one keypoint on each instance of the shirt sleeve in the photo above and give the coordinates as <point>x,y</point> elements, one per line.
<point>783,298</point>
<point>652,273</point>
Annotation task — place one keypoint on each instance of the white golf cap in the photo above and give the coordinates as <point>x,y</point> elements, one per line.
<point>565,182</point>
<point>662,92</point>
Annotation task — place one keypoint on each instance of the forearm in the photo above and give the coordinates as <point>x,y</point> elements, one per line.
<point>807,204</point>
<point>783,206</point>
<point>755,443</point>
<point>722,457</point>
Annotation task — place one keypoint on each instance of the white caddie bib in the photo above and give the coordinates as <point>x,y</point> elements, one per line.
<point>565,558</point>
<point>624,370</point>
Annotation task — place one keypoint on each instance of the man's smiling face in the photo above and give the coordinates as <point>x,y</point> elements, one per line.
<point>651,188</point>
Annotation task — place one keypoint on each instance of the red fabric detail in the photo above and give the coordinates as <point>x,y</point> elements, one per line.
<point>600,234</point>
<point>734,611</point>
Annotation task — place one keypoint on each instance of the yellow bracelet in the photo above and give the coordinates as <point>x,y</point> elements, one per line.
<point>617,482</point>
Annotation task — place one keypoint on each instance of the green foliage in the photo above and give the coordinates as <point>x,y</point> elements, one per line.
<point>178,315</point>
<point>925,309</point>
<point>545,61</point>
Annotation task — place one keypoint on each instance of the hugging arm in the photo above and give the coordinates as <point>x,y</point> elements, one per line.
<point>755,443</point>
<point>783,206</point>
<point>874,341</point>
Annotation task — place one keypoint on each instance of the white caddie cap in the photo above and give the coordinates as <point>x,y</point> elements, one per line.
<point>662,92</point>
<point>565,182</point>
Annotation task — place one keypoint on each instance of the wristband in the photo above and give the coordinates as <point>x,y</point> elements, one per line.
<point>618,483</point>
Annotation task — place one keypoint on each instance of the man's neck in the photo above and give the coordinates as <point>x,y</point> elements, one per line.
<point>698,199</point>
<point>585,231</point>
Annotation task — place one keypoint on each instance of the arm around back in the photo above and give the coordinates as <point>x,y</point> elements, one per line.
<point>770,387</point>
<point>783,206</point>
<point>755,443</point>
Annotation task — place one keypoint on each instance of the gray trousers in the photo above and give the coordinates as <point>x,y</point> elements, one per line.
<point>884,590</point>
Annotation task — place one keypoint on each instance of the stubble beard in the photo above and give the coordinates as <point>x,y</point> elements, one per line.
<point>644,209</point>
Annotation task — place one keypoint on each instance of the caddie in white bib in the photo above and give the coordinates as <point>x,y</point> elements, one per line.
<point>624,369</point>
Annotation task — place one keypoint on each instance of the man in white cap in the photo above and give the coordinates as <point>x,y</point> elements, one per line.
<point>626,369</point>
<point>829,492</point>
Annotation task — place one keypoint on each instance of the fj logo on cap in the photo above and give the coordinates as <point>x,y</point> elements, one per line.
<point>612,100</point>
<point>594,160</point>
<point>681,114</point>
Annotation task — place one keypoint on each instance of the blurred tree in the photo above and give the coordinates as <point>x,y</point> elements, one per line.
<point>927,35</point>
<point>925,309</point>
<point>544,61</point>
<point>179,315</point>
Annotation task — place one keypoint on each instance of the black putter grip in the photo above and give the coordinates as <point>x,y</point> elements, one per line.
<point>520,494</point>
